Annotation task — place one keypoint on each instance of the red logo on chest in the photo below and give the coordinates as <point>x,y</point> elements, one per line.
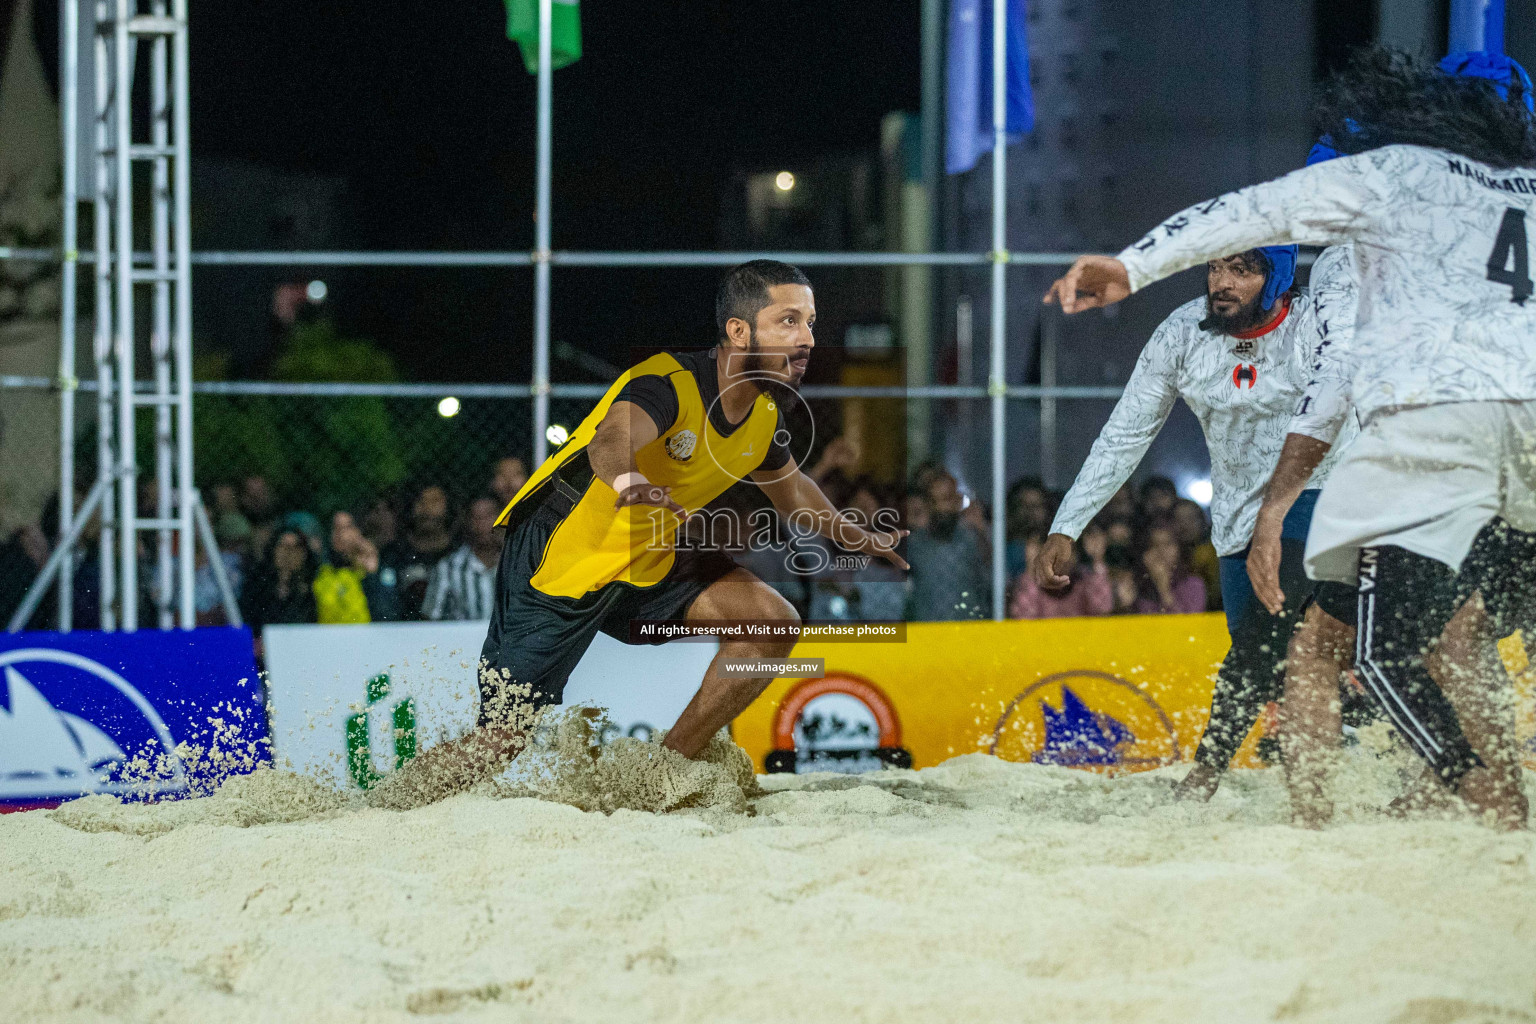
<point>1244,374</point>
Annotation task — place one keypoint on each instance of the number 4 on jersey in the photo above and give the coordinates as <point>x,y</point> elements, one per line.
<point>1510,247</point>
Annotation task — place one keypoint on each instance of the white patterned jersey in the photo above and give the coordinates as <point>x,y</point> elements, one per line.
<point>1333,290</point>
<point>1442,254</point>
<point>1243,390</point>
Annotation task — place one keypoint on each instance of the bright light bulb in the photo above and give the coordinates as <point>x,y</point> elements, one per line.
<point>557,435</point>
<point>784,181</point>
<point>1200,490</point>
<point>316,291</point>
<point>448,407</point>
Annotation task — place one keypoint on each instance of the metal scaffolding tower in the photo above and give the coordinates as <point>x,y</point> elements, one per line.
<point>124,29</point>
<point>157,155</point>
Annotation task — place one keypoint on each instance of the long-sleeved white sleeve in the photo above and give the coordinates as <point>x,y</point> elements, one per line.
<point>1317,205</point>
<point>1334,294</point>
<point>1134,423</point>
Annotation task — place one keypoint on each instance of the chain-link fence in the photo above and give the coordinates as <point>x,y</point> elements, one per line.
<point>274,456</point>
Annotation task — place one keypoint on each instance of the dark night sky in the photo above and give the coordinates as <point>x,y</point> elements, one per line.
<point>425,110</point>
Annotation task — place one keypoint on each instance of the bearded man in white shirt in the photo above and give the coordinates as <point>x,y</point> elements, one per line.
<point>1239,358</point>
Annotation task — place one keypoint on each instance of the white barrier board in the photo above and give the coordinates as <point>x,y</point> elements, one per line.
<point>320,678</point>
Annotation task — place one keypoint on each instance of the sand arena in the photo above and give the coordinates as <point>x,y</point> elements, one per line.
<point>978,890</point>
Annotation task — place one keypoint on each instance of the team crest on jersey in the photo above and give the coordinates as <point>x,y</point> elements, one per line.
<point>1245,375</point>
<point>681,444</point>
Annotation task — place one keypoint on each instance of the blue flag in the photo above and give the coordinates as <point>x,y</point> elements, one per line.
<point>968,90</point>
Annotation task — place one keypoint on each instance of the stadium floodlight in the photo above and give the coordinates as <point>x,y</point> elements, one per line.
<point>316,291</point>
<point>557,435</point>
<point>448,407</point>
<point>784,181</point>
<point>1200,490</point>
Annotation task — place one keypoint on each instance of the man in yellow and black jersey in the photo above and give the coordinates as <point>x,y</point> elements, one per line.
<point>591,537</point>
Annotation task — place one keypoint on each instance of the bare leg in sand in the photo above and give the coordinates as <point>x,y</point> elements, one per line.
<point>737,596</point>
<point>1465,665</point>
<point>485,752</point>
<point>1310,714</point>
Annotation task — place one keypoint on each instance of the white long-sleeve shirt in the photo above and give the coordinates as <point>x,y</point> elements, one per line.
<point>1333,290</point>
<point>1443,256</point>
<point>1243,391</point>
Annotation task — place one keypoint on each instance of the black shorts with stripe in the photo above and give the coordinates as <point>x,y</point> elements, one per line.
<point>535,639</point>
<point>1405,601</point>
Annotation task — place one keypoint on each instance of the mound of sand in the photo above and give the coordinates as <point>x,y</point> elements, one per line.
<point>632,774</point>
<point>978,890</point>
<point>264,797</point>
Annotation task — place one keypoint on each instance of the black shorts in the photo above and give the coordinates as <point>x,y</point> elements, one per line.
<point>535,639</point>
<point>1502,567</point>
<point>1337,599</point>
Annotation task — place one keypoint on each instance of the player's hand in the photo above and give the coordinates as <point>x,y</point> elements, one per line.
<point>1092,282</point>
<point>1264,564</point>
<point>883,543</point>
<point>654,495</point>
<point>1054,556</point>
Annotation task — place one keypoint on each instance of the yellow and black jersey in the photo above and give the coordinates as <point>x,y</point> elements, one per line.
<point>698,453</point>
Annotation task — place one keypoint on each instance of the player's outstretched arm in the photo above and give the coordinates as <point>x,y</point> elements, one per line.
<point>1133,424</point>
<point>794,493</point>
<point>624,431</point>
<point>1322,204</point>
<point>1298,458</point>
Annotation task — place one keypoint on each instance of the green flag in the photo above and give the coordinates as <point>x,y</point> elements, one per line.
<point>565,35</point>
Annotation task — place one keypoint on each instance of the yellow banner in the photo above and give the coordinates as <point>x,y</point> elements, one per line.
<point>1120,693</point>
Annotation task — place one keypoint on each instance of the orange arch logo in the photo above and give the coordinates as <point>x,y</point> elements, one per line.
<point>887,726</point>
<point>1086,719</point>
<point>840,723</point>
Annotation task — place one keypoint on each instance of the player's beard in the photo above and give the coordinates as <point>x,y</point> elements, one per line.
<point>1246,318</point>
<point>764,369</point>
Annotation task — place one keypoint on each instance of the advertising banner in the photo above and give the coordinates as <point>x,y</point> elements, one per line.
<point>351,703</point>
<point>1127,692</point>
<point>1121,693</point>
<point>152,713</point>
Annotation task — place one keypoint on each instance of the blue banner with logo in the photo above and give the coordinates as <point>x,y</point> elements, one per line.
<point>155,714</point>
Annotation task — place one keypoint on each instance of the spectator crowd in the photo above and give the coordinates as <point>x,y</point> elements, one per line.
<point>410,554</point>
<point>423,553</point>
<point>1148,552</point>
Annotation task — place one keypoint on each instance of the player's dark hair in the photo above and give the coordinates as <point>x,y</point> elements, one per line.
<point>1385,97</point>
<point>744,291</point>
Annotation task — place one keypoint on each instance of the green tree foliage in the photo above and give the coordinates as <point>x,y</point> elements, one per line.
<point>320,453</point>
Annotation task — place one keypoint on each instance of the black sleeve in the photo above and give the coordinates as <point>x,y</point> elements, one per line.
<point>778,454</point>
<point>656,395</point>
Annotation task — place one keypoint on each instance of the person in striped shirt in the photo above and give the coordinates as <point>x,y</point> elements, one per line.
<point>463,584</point>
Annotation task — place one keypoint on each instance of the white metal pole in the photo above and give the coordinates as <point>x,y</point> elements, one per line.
<point>541,235</point>
<point>160,333</point>
<point>122,101</point>
<point>106,463</point>
<point>69,113</point>
<point>183,341</point>
<point>998,381</point>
